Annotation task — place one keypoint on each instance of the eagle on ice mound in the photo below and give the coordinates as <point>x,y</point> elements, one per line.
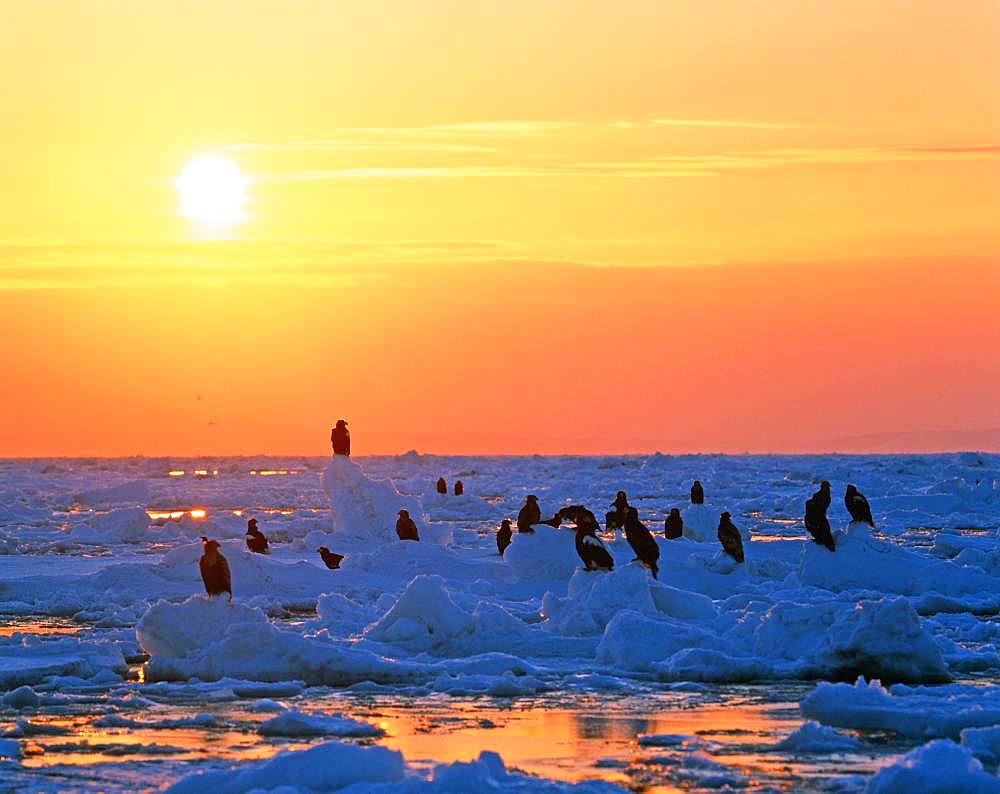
<point>592,552</point>
<point>858,506</point>
<point>362,507</point>
<point>729,537</point>
<point>214,569</point>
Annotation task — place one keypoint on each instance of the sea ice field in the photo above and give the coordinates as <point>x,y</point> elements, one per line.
<point>442,666</point>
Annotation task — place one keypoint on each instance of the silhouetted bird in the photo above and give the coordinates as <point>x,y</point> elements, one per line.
<point>818,525</point>
<point>442,486</point>
<point>529,514</point>
<point>332,560</point>
<point>673,526</point>
<point>577,514</point>
<point>595,557</point>
<point>340,439</point>
<point>822,497</point>
<point>729,537</point>
<point>615,519</point>
<point>697,493</point>
<point>405,527</point>
<point>504,535</point>
<point>256,540</point>
<point>642,541</point>
<point>214,569</point>
<point>459,488</point>
<point>858,506</point>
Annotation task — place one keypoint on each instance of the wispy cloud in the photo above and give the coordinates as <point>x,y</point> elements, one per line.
<point>732,123</point>
<point>585,170</point>
<point>493,129</point>
<point>79,264</point>
<point>342,144</point>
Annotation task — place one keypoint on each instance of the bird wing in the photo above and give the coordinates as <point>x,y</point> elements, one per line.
<point>226,576</point>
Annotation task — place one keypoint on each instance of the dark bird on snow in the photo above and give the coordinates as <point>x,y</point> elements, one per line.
<point>256,540</point>
<point>595,557</point>
<point>340,439</point>
<point>818,525</point>
<point>729,537</point>
<point>214,569</point>
<point>572,513</point>
<point>577,514</point>
<point>442,486</point>
<point>673,526</point>
<point>459,488</point>
<point>405,527</point>
<point>822,497</point>
<point>615,518</point>
<point>642,541</point>
<point>332,560</point>
<point>504,535</point>
<point>697,493</point>
<point>529,514</point>
<point>858,506</point>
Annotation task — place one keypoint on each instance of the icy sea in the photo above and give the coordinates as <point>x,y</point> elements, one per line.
<point>441,666</point>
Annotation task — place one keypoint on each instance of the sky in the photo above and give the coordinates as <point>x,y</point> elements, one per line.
<point>518,227</point>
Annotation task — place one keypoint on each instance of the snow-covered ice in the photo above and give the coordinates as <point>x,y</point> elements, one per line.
<point>895,632</point>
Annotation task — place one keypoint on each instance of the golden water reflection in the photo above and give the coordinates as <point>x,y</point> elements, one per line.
<point>570,737</point>
<point>37,626</point>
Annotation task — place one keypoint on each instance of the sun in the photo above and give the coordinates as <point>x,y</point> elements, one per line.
<point>212,190</point>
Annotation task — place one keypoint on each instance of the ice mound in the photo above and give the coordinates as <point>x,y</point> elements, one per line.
<point>863,563</point>
<point>10,749</point>
<point>785,641</point>
<point>424,616</point>
<point>212,639</point>
<point>916,712</point>
<point>336,766</point>
<point>364,509</point>
<point>30,660</point>
<point>939,767</point>
<point>701,523</point>
<point>635,641</point>
<point>488,773</point>
<point>983,743</point>
<point>811,737</point>
<point>128,493</point>
<point>883,638</point>
<point>325,767</point>
<point>124,525</point>
<point>595,598</point>
<point>546,553</point>
<point>297,723</point>
<point>20,698</point>
<point>447,507</point>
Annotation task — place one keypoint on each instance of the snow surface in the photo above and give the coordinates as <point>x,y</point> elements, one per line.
<point>906,607</point>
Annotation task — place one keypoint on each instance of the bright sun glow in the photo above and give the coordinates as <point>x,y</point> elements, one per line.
<point>212,190</point>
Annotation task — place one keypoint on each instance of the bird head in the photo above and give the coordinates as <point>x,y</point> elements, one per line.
<point>404,513</point>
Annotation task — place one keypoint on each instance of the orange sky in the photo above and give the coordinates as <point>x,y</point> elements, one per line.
<point>480,227</point>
